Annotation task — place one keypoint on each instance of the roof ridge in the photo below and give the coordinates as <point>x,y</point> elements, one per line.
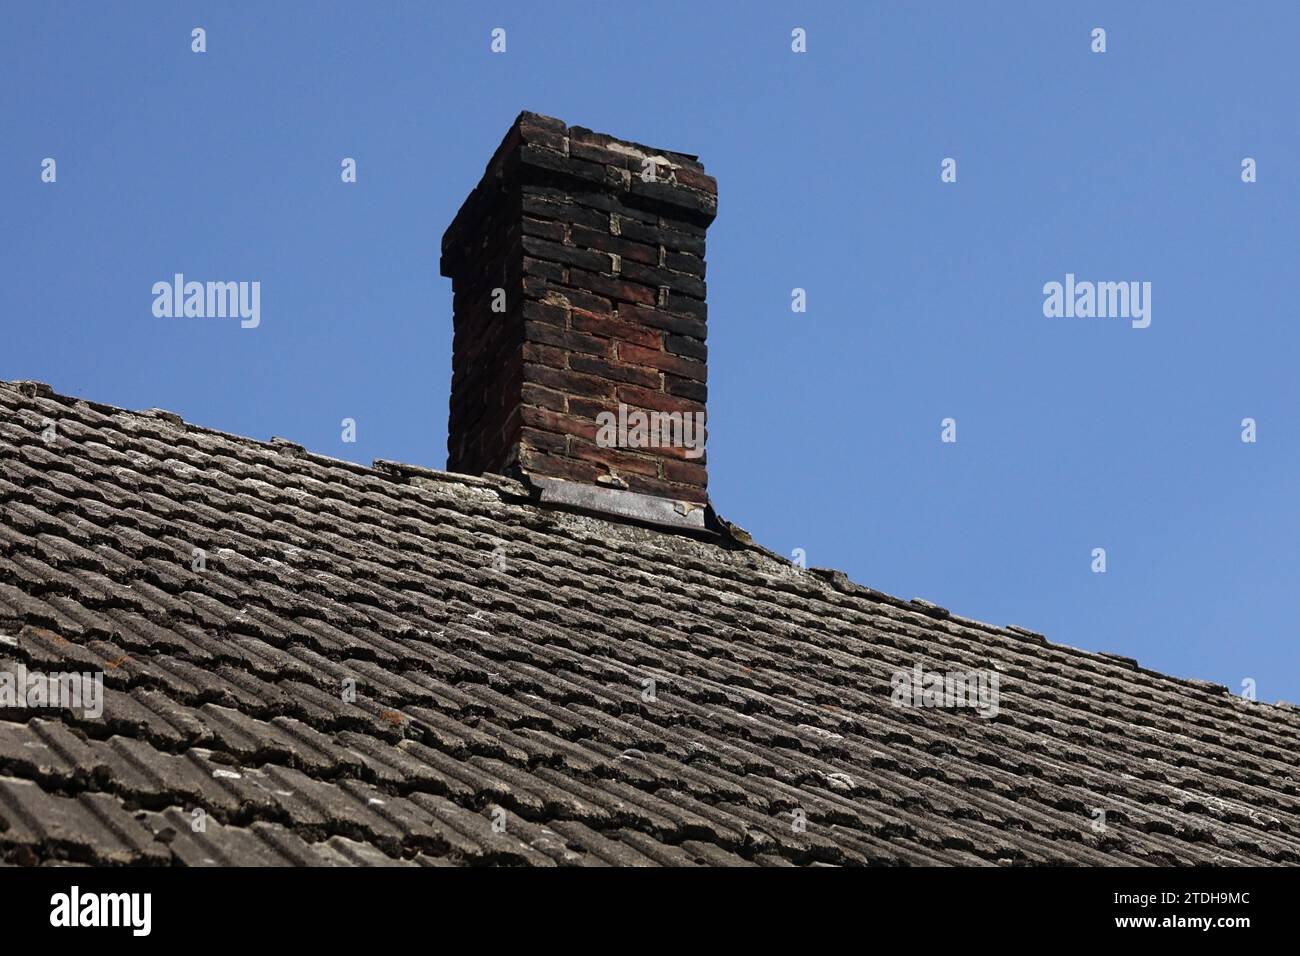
<point>380,467</point>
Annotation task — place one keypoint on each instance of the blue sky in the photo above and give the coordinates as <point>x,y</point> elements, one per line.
<point>924,298</point>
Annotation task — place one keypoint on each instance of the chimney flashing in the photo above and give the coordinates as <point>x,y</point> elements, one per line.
<point>617,503</point>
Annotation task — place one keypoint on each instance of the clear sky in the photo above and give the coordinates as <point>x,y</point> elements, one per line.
<point>925,298</point>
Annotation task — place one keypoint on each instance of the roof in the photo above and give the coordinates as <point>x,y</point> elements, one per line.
<point>534,686</point>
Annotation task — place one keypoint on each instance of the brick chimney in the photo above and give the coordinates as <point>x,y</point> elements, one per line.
<point>577,268</point>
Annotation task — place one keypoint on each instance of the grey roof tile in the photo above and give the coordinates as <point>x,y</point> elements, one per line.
<point>89,828</point>
<point>520,696</point>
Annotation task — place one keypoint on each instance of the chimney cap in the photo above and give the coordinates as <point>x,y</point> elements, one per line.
<point>544,150</point>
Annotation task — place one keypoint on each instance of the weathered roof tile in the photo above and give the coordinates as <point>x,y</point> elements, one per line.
<point>396,666</point>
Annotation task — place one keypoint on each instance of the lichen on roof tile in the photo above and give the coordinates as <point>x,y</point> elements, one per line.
<point>393,665</point>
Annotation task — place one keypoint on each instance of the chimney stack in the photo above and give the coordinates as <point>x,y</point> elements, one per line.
<point>577,268</point>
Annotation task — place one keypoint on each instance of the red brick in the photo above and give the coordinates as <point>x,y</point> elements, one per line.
<point>621,460</point>
<point>590,407</point>
<point>615,289</point>
<point>684,262</point>
<point>635,354</point>
<point>550,138</point>
<point>696,391</point>
<point>549,421</point>
<point>687,346</point>
<point>616,328</point>
<point>588,386</point>
<point>544,229</point>
<point>569,255</point>
<point>633,251</point>
<point>596,153</point>
<point>555,466</point>
<point>568,340</point>
<point>655,400</point>
<point>615,371</point>
<point>678,325</point>
<point>545,397</point>
<point>672,301</point>
<point>554,294</point>
<point>665,489</point>
<point>686,472</point>
<point>555,161</point>
<point>555,315</point>
<point>702,206</point>
<point>681,242</point>
<point>545,441</point>
<point>538,269</point>
<point>680,453</point>
<point>544,207</point>
<point>697,179</point>
<point>674,281</point>
<point>545,354</point>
